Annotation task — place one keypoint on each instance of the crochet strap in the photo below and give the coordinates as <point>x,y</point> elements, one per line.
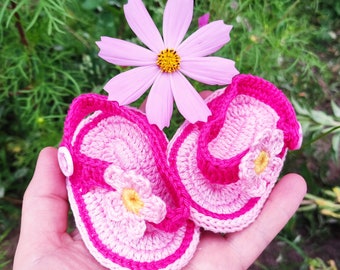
<point>81,107</point>
<point>87,104</point>
<point>225,171</point>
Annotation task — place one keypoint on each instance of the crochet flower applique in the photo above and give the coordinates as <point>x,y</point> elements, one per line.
<point>261,164</point>
<point>167,59</point>
<point>132,204</point>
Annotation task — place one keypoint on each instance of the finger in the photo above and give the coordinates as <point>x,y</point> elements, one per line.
<point>45,203</point>
<point>239,250</point>
<point>279,208</point>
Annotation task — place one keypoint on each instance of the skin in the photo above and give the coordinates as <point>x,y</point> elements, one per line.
<point>44,242</point>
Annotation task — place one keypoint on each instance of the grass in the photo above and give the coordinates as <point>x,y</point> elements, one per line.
<point>48,57</point>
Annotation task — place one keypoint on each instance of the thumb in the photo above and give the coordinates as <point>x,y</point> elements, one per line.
<point>45,205</point>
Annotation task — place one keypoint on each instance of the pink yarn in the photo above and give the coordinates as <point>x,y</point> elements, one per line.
<point>138,200</point>
<point>145,206</point>
<point>118,156</point>
<point>267,146</point>
<point>207,156</point>
<point>226,170</point>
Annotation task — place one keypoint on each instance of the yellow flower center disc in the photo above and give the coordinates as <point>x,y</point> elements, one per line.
<point>261,162</point>
<point>168,60</point>
<point>132,201</point>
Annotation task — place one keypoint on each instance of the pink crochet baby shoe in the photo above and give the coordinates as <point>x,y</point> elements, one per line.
<point>229,165</point>
<point>128,205</point>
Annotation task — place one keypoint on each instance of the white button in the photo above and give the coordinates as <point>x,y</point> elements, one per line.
<point>65,161</point>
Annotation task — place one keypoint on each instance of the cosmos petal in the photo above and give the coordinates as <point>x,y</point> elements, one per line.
<point>189,102</point>
<point>176,21</point>
<point>206,40</point>
<point>142,25</point>
<point>159,105</point>
<point>210,70</point>
<point>128,86</point>
<point>124,53</point>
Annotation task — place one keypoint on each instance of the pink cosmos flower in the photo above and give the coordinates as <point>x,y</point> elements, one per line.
<point>261,164</point>
<point>167,58</point>
<point>132,204</point>
<point>203,20</point>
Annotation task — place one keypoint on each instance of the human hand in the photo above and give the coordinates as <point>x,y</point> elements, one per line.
<point>45,243</point>
<point>240,249</point>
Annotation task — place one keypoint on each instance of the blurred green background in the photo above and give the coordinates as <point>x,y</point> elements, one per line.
<point>48,56</point>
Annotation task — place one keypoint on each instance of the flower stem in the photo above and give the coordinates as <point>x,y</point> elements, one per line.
<point>18,25</point>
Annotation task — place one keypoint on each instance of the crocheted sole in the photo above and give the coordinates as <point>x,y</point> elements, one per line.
<point>119,188</point>
<point>229,165</point>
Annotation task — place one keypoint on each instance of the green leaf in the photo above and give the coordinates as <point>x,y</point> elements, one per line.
<point>336,145</point>
<point>323,118</point>
<point>2,192</point>
<point>336,109</point>
<point>91,4</point>
<point>298,108</point>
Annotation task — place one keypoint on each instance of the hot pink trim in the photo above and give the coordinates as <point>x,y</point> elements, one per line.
<point>88,176</point>
<point>226,171</point>
<point>221,172</point>
<point>86,104</point>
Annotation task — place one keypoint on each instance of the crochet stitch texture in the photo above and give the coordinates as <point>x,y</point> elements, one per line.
<point>114,150</point>
<point>216,160</point>
<point>139,200</point>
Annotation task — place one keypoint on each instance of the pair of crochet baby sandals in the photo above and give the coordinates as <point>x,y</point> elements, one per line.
<point>139,201</point>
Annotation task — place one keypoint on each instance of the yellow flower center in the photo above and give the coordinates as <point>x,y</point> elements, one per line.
<point>261,162</point>
<point>132,201</point>
<point>168,60</point>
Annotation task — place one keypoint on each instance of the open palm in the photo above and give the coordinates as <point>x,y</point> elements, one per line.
<point>45,243</point>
